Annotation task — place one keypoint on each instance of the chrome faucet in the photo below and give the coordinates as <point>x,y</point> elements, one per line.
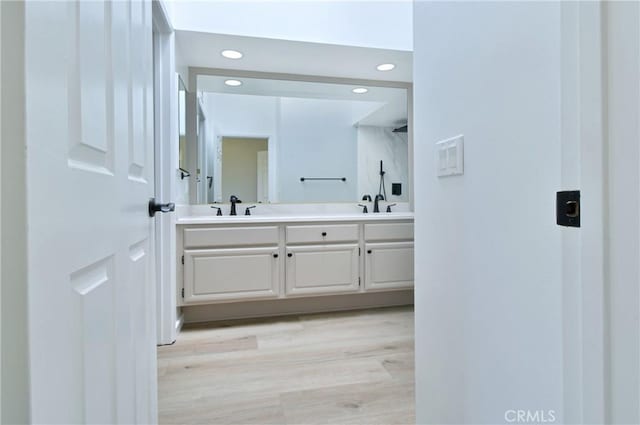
<point>234,200</point>
<point>376,208</point>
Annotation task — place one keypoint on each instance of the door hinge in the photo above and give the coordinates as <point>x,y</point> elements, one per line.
<point>183,259</point>
<point>359,252</point>
<point>359,281</point>
<point>182,292</point>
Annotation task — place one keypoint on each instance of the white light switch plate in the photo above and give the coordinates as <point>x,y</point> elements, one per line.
<point>450,156</point>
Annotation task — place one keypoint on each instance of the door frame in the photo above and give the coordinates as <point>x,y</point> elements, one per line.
<point>167,170</point>
<point>201,152</point>
<point>271,155</point>
<point>14,349</point>
<point>621,41</point>
<point>262,167</point>
<point>584,261</point>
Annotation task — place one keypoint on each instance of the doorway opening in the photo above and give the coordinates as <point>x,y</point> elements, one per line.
<point>244,163</point>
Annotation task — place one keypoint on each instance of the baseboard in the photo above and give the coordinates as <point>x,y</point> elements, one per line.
<point>284,307</point>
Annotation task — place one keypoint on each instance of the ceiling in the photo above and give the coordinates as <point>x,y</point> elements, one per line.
<point>199,49</point>
<point>386,24</point>
<point>303,89</point>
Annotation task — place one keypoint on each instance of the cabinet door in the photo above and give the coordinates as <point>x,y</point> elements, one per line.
<point>322,269</point>
<point>231,274</point>
<point>388,265</point>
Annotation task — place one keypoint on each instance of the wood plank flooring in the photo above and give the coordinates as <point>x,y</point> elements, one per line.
<point>333,368</point>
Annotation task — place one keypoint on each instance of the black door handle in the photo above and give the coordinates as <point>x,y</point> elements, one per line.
<point>324,233</point>
<point>289,255</point>
<point>155,207</point>
<point>369,252</point>
<point>275,255</point>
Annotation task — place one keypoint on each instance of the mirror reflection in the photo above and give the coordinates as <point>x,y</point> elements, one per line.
<point>182,124</point>
<point>270,141</point>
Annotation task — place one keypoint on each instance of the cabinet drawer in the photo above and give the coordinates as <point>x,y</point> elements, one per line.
<point>322,233</point>
<point>388,231</point>
<point>230,236</point>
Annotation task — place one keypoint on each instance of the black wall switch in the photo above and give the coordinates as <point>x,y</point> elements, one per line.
<point>396,189</point>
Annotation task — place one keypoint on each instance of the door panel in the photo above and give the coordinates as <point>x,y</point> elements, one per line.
<point>389,265</point>
<point>322,269</point>
<point>140,91</point>
<point>91,295</point>
<point>90,148</point>
<point>230,274</point>
<point>92,285</point>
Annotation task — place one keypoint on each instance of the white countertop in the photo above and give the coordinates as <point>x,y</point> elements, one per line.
<point>300,218</point>
<point>290,213</point>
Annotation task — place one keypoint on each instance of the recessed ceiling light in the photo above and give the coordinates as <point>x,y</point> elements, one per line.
<point>233,83</point>
<point>385,67</point>
<point>360,90</point>
<point>231,54</point>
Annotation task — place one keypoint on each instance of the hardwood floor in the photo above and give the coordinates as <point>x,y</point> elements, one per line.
<point>331,368</point>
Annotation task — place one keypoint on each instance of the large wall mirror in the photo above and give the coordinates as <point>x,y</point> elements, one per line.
<point>271,140</point>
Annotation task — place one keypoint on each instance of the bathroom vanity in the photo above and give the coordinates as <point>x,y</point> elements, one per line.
<point>295,156</point>
<point>253,258</point>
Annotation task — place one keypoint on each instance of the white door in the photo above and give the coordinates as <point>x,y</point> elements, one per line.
<point>90,240</point>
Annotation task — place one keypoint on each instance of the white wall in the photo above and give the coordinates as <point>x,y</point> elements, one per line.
<point>623,49</point>
<point>216,159</point>
<point>211,159</point>
<point>182,185</point>
<point>317,138</point>
<point>204,136</point>
<point>488,251</point>
<point>364,23</point>
<point>307,138</point>
<point>244,116</point>
<point>381,143</point>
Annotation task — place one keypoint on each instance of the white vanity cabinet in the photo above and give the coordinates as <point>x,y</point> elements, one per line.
<point>230,263</point>
<point>221,263</point>
<point>388,256</point>
<point>322,259</point>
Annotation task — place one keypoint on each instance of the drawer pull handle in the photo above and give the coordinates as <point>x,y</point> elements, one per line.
<point>324,233</point>
<point>289,255</point>
<point>275,255</point>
